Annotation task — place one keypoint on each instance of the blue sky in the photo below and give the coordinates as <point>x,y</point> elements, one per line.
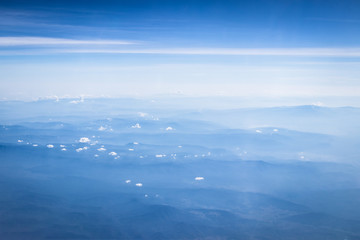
<point>275,49</point>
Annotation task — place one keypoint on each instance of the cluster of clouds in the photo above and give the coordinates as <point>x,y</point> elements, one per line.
<point>86,140</point>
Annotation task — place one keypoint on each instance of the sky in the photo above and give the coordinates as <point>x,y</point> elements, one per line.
<point>300,49</point>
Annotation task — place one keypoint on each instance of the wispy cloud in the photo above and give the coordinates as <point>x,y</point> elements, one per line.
<point>325,52</point>
<point>46,45</point>
<point>44,41</point>
<point>305,52</point>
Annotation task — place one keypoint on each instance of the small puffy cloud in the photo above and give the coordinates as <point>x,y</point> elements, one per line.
<point>160,155</point>
<point>258,131</point>
<point>169,129</point>
<point>128,181</point>
<point>146,195</point>
<point>101,128</point>
<point>84,140</point>
<point>135,143</point>
<point>112,153</point>
<point>199,178</point>
<point>136,126</point>
<point>63,149</point>
<point>179,146</point>
<point>141,114</point>
<point>318,104</point>
<point>139,184</point>
<point>81,100</point>
<point>131,149</point>
<point>50,146</point>
<point>96,155</point>
<point>275,130</point>
<point>62,146</point>
<point>35,145</point>
<point>20,141</point>
<point>79,149</point>
<point>101,149</point>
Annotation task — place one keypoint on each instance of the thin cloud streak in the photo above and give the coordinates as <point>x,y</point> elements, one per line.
<point>43,41</point>
<point>316,52</point>
<point>47,46</point>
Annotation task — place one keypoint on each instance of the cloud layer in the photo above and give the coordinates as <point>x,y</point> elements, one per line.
<point>97,46</point>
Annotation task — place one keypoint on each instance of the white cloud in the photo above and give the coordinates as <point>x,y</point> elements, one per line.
<point>131,149</point>
<point>35,145</point>
<point>84,140</point>
<point>275,130</point>
<point>43,41</point>
<point>258,131</point>
<point>101,149</point>
<point>20,141</point>
<point>112,153</point>
<point>139,184</point>
<point>128,181</point>
<point>136,126</point>
<point>62,45</point>
<point>169,129</point>
<point>50,146</point>
<point>101,128</point>
<point>141,114</point>
<point>199,178</point>
<point>160,155</point>
<point>62,146</point>
<point>79,149</point>
<point>324,52</point>
<point>318,104</point>
<point>135,143</point>
<point>81,100</point>
<point>63,149</point>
